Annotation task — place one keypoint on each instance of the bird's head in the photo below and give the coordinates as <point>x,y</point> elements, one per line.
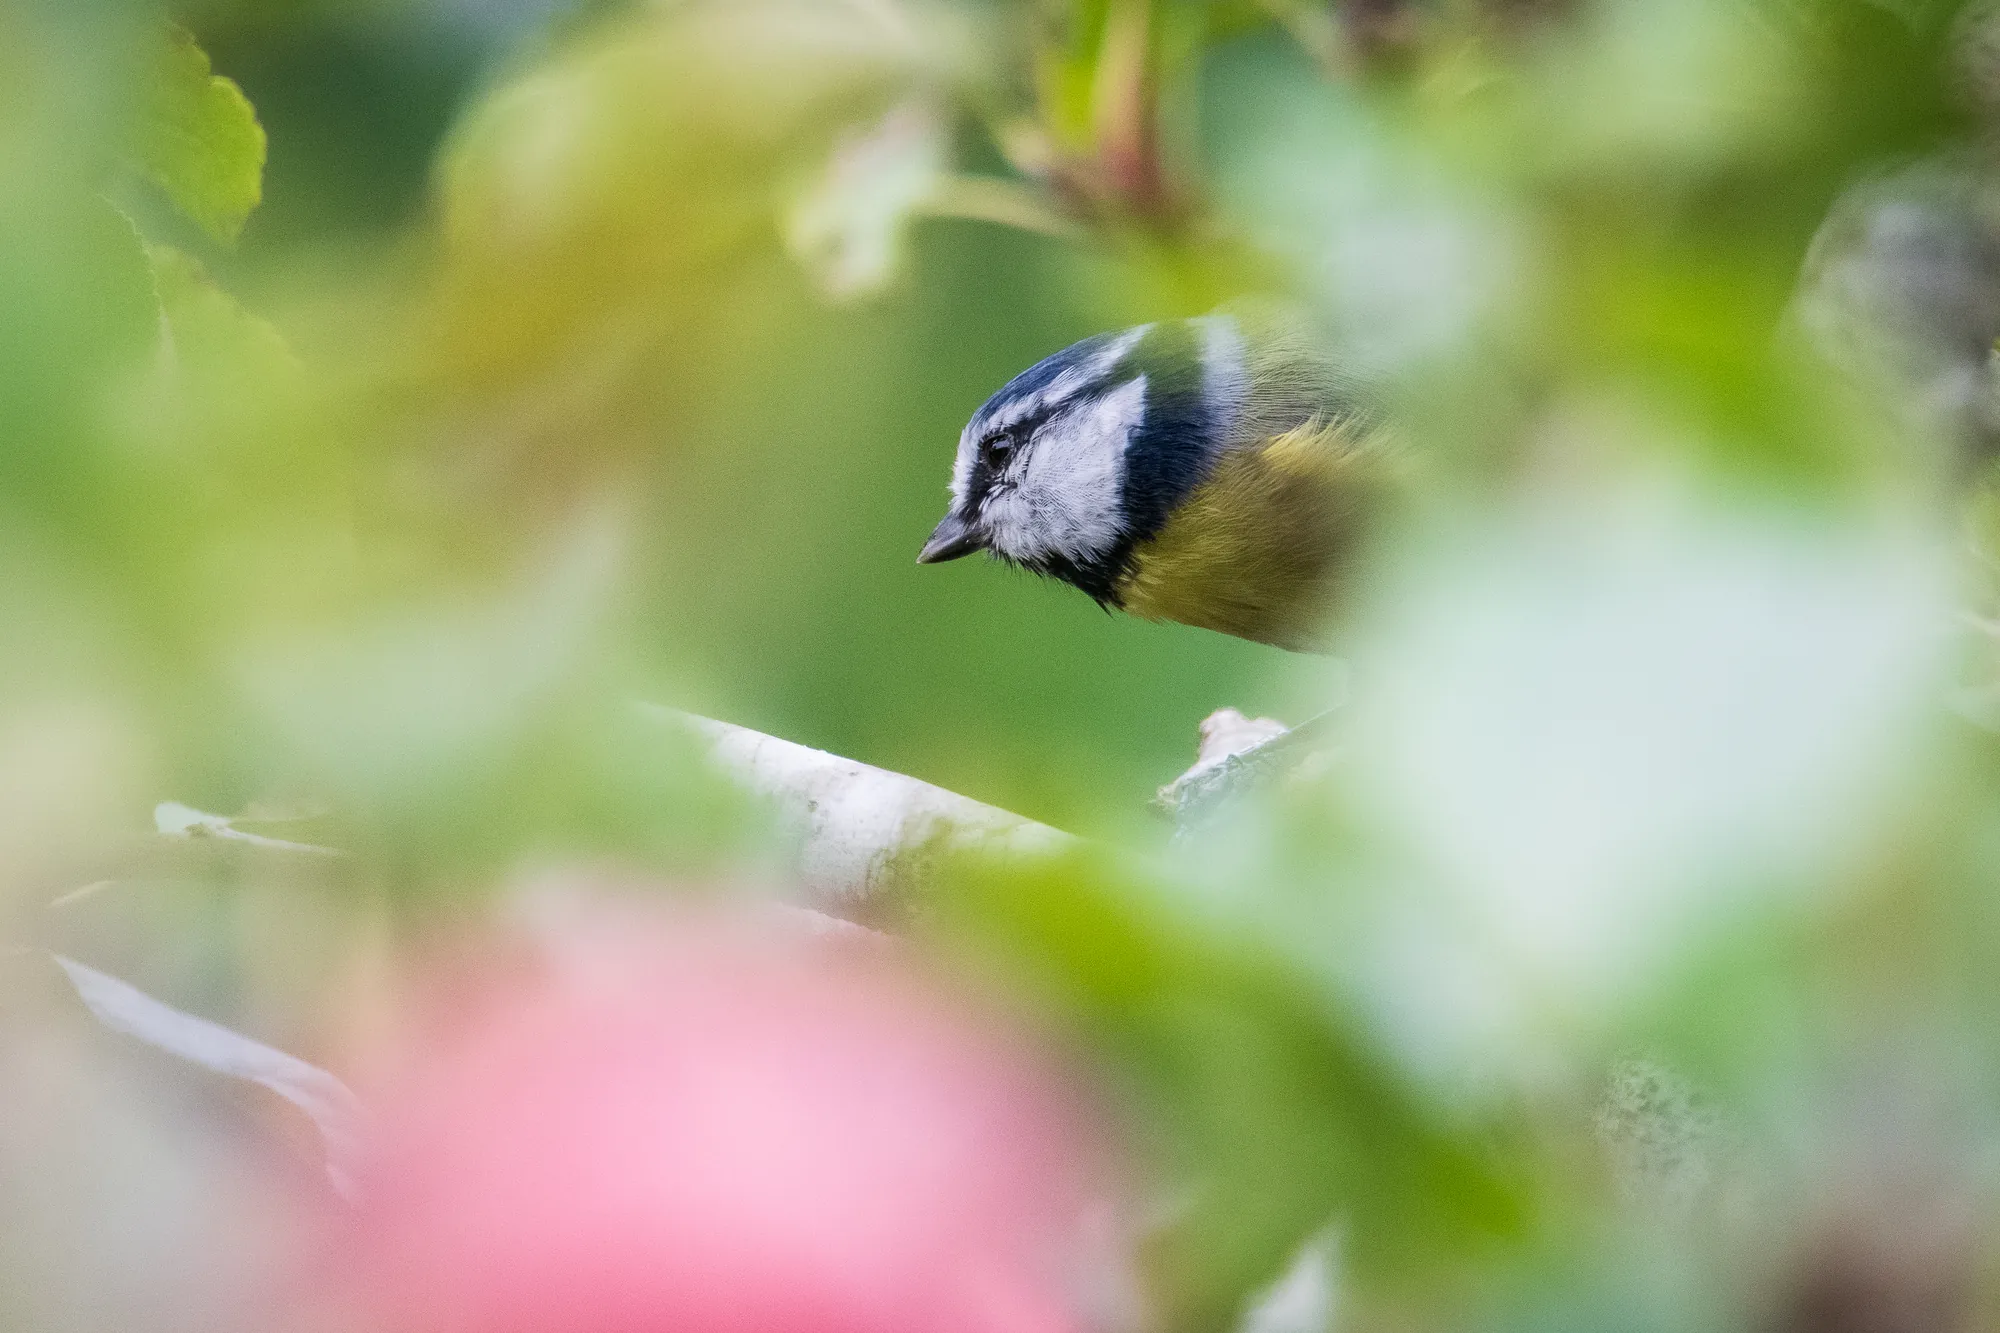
<point>1086,453</point>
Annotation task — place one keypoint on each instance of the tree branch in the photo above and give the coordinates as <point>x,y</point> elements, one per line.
<point>863,834</point>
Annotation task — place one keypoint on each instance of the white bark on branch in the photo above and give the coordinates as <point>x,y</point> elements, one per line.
<point>1239,755</point>
<point>864,833</point>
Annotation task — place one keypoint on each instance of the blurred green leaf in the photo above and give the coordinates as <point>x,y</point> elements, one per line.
<point>1272,1111</point>
<point>199,139</point>
<point>212,338</point>
<point>582,430</point>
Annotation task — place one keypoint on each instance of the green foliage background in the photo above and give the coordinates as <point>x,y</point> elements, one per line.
<point>391,395</point>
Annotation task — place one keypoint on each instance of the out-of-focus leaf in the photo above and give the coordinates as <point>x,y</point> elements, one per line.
<point>77,308</point>
<point>71,766</point>
<point>847,226</point>
<point>643,162</point>
<point>393,704</point>
<point>1685,86</point>
<point>1406,262</point>
<point>1270,1111</point>
<point>1901,293</point>
<point>1588,742</point>
<point>329,1103</point>
<point>225,383</point>
<point>199,140</point>
<point>206,324</point>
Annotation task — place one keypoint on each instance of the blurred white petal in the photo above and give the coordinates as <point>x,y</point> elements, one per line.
<point>333,1109</point>
<point>1305,1298</point>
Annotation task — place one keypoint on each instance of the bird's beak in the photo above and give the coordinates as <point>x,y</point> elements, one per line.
<point>954,537</point>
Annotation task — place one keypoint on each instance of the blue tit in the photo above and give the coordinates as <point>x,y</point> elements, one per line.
<point>1217,472</point>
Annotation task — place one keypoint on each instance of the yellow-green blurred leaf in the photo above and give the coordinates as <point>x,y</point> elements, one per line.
<point>209,331</point>
<point>199,140</point>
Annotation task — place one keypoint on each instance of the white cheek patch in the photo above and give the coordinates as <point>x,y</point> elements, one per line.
<point>1066,502</point>
<point>1066,383</point>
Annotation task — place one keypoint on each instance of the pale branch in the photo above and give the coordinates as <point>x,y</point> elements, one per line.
<point>865,833</point>
<point>862,833</point>
<point>1238,756</point>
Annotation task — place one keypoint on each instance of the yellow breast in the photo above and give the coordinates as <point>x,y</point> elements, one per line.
<point>1257,549</point>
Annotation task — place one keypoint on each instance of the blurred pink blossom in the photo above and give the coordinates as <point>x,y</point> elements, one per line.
<point>706,1131</point>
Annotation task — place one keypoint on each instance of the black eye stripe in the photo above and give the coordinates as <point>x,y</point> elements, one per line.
<point>1018,433</point>
<point>999,445</point>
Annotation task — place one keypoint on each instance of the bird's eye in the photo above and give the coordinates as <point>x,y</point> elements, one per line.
<point>998,447</point>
